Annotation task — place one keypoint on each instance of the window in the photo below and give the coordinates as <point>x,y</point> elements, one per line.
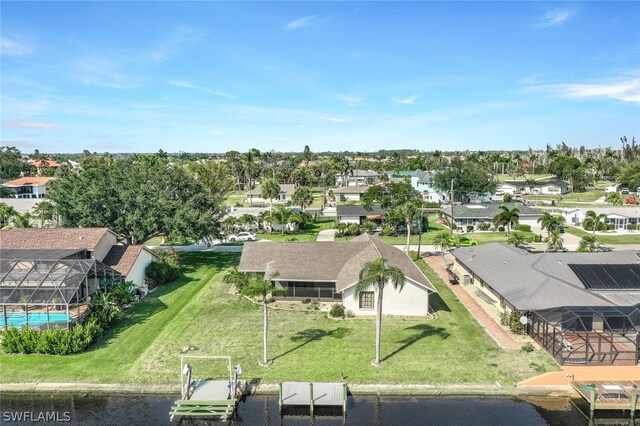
<point>366,300</point>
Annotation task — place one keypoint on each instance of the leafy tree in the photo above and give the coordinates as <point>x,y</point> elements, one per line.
<point>517,239</point>
<point>507,217</point>
<point>215,178</point>
<point>564,166</point>
<point>11,164</point>
<point>614,198</point>
<point>306,155</point>
<point>6,213</point>
<point>390,195</point>
<point>630,174</point>
<point>258,287</point>
<point>302,197</point>
<point>468,176</point>
<point>594,222</point>
<point>507,198</point>
<point>270,189</point>
<point>554,240</point>
<point>588,243</point>
<point>377,274</point>
<point>138,198</point>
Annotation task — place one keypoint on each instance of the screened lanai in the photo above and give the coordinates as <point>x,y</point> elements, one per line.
<point>589,335</point>
<point>49,291</point>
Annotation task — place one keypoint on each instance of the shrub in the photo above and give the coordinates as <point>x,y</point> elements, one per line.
<point>314,305</point>
<point>512,320</point>
<point>165,269</point>
<point>469,228</point>
<point>388,231</point>
<point>369,226</point>
<point>507,198</point>
<point>484,226</point>
<point>524,228</point>
<point>632,227</point>
<point>337,311</point>
<point>610,227</point>
<point>500,228</point>
<point>528,347</point>
<point>353,229</point>
<point>305,301</point>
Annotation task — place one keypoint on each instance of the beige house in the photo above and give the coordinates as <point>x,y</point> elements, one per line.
<point>286,191</point>
<point>329,271</point>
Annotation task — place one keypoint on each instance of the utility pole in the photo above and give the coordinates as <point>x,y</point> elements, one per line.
<point>453,222</point>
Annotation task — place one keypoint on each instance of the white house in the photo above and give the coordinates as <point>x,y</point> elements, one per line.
<point>29,186</point>
<point>618,217</point>
<point>329,271</point>
<point>131,261</point>
<point>286,191</point>
<point>474,214</point>
<point>357,178</point>
<point>542,187</point>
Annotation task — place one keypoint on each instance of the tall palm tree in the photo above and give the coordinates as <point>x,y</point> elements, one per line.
<point>546,221</point>
<point>257,286</point>
<point>507,217</point>
<point>43,210</point>
<point>554,241</point>
<point>230,223</point>
<point>377,274</point>
<point>247,220</point>
<point>594,222</point>
<point>408,211</point>
<point>270,189</point>
<point>588,243</point>
<point>281,216</point>
<point>249,161</point>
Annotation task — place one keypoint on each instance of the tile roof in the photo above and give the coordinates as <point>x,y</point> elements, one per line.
<point>28,180</point>
<point>122,257</point>
<point>339,262</point>
<point>540,281</point>
<point>359,210</point>
<point>45,163</point>
<point>51,238</point>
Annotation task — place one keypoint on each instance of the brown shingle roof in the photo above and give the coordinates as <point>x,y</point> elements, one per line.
<point>28,180</point>
<point>52,238</point>
<point>122,258</point>
<point>326,261</point>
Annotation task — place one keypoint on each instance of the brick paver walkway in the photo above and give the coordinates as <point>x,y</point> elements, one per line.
<point>494,330</point>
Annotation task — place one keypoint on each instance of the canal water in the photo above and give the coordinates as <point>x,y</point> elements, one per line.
<point>263,410</point>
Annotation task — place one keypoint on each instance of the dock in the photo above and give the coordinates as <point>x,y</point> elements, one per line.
<point>611,395</point>
<point>303,394</point>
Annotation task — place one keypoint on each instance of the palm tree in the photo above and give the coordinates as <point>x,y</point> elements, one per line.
<point>376,273</point>
<point>516,239</point>
<point>408,212</point>
<point>507,217</point>
<point>281,216</point>
<point>554,241</point>
<point>546,221</point>
<point>588,243</point>
<point>442,241</point>
<point>6,212</point>
<point>250,169</point>
<point>230,223</point>
<point>43,210</point>
<point>247,220</point>
<point>257,286</point>
<point>614,198</point>
<point>22,220</point>
<point>594,222</point>
<point>298,219</point>
<point>265,219</point>
<point>270,189</point>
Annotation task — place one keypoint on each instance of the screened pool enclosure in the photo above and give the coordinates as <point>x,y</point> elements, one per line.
<point>589,335</point>
<point>49,288</point>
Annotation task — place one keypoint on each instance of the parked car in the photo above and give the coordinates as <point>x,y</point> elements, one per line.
<point>558,226</point>
<point>468,242</point>
<point>624,191</point>
<point>243,236</point>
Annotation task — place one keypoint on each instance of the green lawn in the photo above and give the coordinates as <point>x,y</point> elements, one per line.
<point>198,311</point>
<point>587,196</point>
<point>606,239</point>
<point>309,234</point>
<point>237,197</point>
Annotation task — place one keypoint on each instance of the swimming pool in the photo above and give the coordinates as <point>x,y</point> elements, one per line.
<point>19,319</point>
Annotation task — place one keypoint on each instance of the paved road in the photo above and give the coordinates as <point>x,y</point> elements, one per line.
<point>201,247</point>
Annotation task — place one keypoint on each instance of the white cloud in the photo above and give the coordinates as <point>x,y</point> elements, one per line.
<point>13,48</point>
<point>625,89</point>
<point>180,38</point>
<point>335,119</point>
<point>405,101</point>
<point>554,18</point>
<point>306,21</point>
<point>96,70</point>
<point>351,100</point>
<point>187,85</point>
<point>28,124</point>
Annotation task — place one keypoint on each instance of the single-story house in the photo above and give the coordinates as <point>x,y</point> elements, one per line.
<point>329,271</point>
<point>29,186</point>
<point>357,178</point>
<point>358,214</point>
<point>581,307</point>
<point>618,217</point>
<point>99,244</point>
<point>474,214</point>
<point>349,193</point>
<point>541,187</point>
<point>286,191</point>
<point>421,181</point>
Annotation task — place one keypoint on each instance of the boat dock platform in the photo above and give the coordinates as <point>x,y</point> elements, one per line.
<point>613,395</point>
<point>303,394</point>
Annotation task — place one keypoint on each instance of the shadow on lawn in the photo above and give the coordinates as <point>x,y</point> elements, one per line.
<point>437,304</point>
<point>424,330</point>
<point>313,334</point>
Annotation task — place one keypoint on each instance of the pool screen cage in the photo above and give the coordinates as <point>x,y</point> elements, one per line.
<point>46,288</point>
<point>588,335</point>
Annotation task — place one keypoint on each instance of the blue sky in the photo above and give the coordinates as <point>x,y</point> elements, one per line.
<point>214,76</point>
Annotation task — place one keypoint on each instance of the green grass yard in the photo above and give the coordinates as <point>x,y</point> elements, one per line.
<point>197,310</point>
<point>309,234</point>
<point>606,239</point>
